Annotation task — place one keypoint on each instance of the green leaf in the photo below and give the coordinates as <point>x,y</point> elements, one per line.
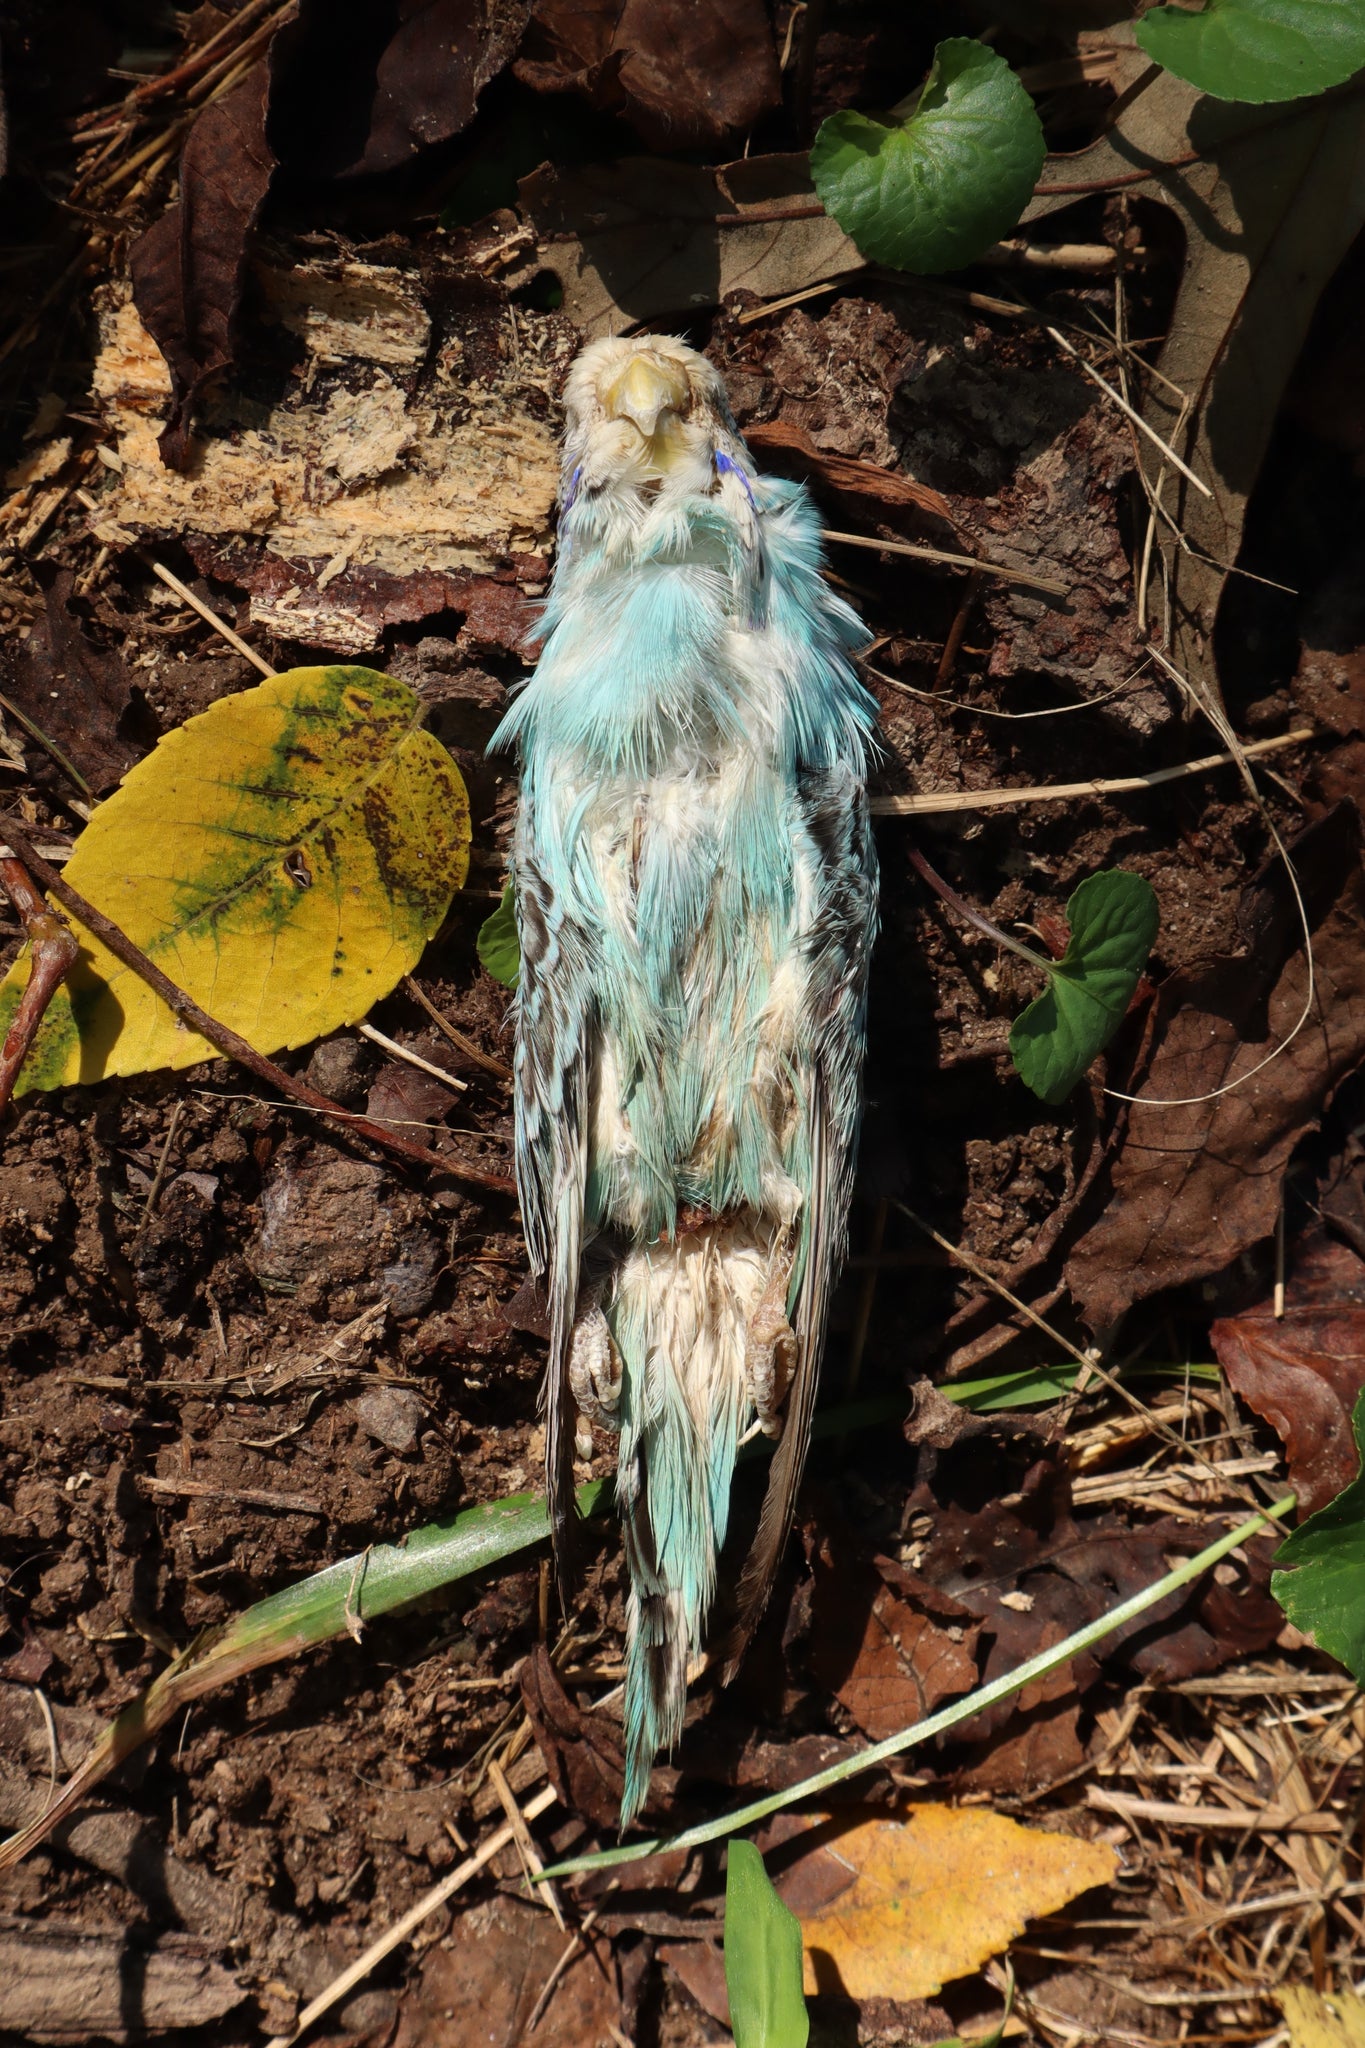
<point>762,1957</point>
<point>1319,1578</point>
<point>1258,50</point>
<point>284,857</point>
<point>1113,918</point>
<point>937,190</point>
<point>497,943</point>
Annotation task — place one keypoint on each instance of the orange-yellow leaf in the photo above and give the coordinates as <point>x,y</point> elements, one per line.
<point>934,1892</point>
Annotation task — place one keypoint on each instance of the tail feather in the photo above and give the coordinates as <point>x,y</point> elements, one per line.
<point>679,1316</point>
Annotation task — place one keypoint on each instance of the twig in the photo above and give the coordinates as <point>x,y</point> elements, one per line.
<point>246,1496</point>
<point>171,81</point>
<point>957,632</point>
<point>1054,792</point>
<point>985,925</point>
<point>412,1059</point>
<point>49,746</point>
<point>54,953</point>
<point>1275,1820</point>
<point>158,1178</point>
<point>531,1859</point>
<point>206,612</point>
<point>1130,412</point>
<point>229,1042</point>
<point>394,1936</point>
<point>497,1068</point>
<point>905,547</point>
<point>576,1946</point>
<point>1112,184</point>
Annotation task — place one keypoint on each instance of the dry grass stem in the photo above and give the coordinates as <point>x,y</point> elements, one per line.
<point>411,1059</point>
<point>430,1903</point>
<point>1060,792</point>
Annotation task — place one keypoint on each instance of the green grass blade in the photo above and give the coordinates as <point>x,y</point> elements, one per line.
<point>1041,1666</point>
<point>762,1957</point>
<point>334,1602</point>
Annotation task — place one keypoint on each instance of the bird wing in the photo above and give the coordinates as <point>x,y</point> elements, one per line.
<point>833,804</point>
<point>552,1074</point>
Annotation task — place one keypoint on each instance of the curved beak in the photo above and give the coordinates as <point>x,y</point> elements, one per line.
<point>644,390</point>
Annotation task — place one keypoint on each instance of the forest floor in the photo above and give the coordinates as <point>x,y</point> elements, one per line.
<point>239,1346</point>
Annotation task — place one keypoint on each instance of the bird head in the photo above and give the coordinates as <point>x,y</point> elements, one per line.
<point>642,408</point>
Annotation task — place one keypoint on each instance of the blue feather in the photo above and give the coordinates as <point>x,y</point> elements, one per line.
<point>696,895</point>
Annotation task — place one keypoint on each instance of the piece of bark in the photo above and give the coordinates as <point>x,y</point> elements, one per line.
<point>866,480</point>
<point>62,1984</point>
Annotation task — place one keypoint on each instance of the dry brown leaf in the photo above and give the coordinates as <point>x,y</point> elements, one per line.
<point>887,1644</point>
<point>1270,207</point>
<point>934,1892</point>
<point>357,89</point>
<point>1302,1371</point>
<point>189,268</point>
<point>1194,1185</point>
<point>684,73</point>
<point>642,238</point>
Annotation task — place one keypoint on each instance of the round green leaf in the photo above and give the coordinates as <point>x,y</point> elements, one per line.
<point>1258,50</point>
<point>498,949</point>
<point>935,191</point>
<point>1113,918</point>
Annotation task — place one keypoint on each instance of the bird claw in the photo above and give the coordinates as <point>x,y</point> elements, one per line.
<point>595,1372</point>
<point>770,1348</point>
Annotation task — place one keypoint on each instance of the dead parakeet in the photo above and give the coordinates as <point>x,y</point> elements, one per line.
<point>696,902</point>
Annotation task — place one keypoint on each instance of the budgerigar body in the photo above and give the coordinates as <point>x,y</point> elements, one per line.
<point>696,902</point>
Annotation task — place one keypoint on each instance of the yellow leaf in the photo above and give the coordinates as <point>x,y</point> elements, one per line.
<point>284,858</point>
<point>1315,2020</point>
<point>934,1893</point>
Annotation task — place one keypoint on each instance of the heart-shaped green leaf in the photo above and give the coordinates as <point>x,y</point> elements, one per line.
<point>498,948</point>
<point>1113,918</point>
<point>762,1957</point>
<point>1258,50</point>
<point>1319,1576</point>
<point>935,191</point>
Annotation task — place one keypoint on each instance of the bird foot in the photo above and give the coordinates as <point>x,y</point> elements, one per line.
<point>770,1347</point>
<point>595,1372</point>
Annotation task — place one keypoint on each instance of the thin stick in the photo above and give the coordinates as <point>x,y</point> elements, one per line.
<point>54,954</point>
<point>187,596</point>
<point>158,1178</point>
<point>1130,412</point>
<point>35,732</point>
<point>229,1042</point>
<point>412,1059</point>
<point>532,1861</point>
<point>401,1929</point>
<point>1056,792</point>
<point>905,547</point>
<point>246,1496</point>
<point>467,1046</point>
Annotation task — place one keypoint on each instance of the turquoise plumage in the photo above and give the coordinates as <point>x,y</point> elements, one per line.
<point>696,902</point>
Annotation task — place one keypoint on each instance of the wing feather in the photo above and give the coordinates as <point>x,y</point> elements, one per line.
<point>839,947</point>
<point>551,1081</point>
